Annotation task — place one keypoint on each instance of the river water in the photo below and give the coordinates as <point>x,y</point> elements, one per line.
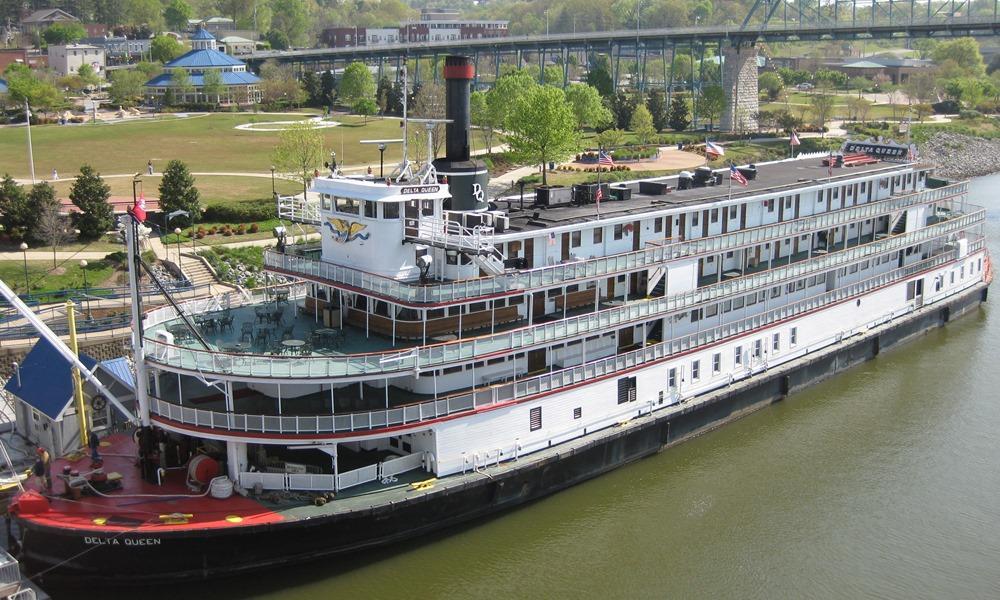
<point>882,482</point>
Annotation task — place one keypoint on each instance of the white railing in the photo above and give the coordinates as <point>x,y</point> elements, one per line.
<point>468,401</point>
<point>395,466</point>
<point>267,481</point>
<point>299,210</point>
<point>359,366</point>
<point>311,481</point>
<point>357,477</point>
<point>449,234</point>
<point>605,266</point>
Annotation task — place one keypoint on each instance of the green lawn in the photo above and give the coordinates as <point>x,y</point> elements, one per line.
<point>206,143</point>
<point>68,274</point>
<point>265,232</point>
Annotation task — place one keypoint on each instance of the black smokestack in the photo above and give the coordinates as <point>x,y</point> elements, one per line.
<point>467,178</point>
<point>458,74</point>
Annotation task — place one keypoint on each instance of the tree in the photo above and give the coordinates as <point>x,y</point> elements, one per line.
<point>278,39</point>
<point>599,76</point>
<point>88,76</point>
<point>924,47</point>
<point>213,86</point>
<point>180,84</point>
<point>145,12</point>
<point>786,121</point>
<point>126,87</point>
<point>657,105</point>
<point>299,152</point>
<point>964,52</point>
<point>611,138</point>
<point>679,118</point>
<point>177,192</point>
<point>921,87</point>
<point>506,92</point>
<point>771,84</point>
<point>53,229</point>
<point>15,211</point>
<point>922,110</point>
<point>622,106</point>
<point>279,86</point>
<point>90,194</point>
<point>429,103</point>
<point>149,69</point>
<point>712,102</point>
<point>328,88</point>
<point>859,83</point>
<point>40,199</point>
<point>60,34</point>
<point>357,83</point>
<point>382,94</point>
<point>479,115</point>
<point>642,124</point>
<point>541,127</point>
<point>859,108</point>
<point>165,48</point>
<point>365,107</point>
<point>587,106</point>
<point>822,106</point>
<point>24,86</point>
<point>177,14</point>
<point>290,17</point>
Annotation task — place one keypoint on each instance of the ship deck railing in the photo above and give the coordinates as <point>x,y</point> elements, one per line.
<point>655,254</point>
<point>519,389</point>
<point>383,364</point>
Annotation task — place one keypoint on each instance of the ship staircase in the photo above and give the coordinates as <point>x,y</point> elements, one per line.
<point>898,223</point>
<point>476,242</point>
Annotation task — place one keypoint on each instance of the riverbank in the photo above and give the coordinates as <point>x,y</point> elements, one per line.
<point>960,156</point>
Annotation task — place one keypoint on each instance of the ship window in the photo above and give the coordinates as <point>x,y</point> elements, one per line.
<point>696,370</point>
<point>427,207</point>
<point>672,378</point>
<point>716,362</point>
<point>776,291</point>
<point>715,215</point>
<point>657,225</point>
<point>346,205</point>
<point>738,355</point>
<point>738,303</point>
<point>769,204</point>
<point>756,348</point>
<point>694,219</point>
<point>776,342</point>
<point>619,231</point>
<point>598,235</point>
<point>626,390</point>
<point>711,311</point>
<point>577,412</point>
<point>324,201</point>
<point>793,336</point>
<point>575,240</point>
<point>751,299</point>
<point>535,418</point>
<point>732,212</point>
<point>370,208</point>
<point>390,210</point>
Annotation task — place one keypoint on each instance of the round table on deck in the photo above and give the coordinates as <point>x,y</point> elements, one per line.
<point>292,345</point>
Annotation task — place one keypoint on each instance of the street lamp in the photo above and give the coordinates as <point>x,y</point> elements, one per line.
<point>24,252</point>
<point>274,194</point>
<point>381,160</point>
<point>177,235</point>
<point>546,23</point>
<point>86,288</point>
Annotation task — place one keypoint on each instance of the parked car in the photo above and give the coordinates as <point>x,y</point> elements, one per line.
<point>804,87</point>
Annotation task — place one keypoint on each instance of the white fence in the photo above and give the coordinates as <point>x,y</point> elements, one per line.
<point>309,481</point>
<point>402,464</point>
<point>357,477</point>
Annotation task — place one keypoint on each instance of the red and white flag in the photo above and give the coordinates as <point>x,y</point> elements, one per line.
<point>139,209</point>
<point>599,196</point>
<point>794,140</point>
<point>735,175</point>
<point>714,150</point>
<point>603,158</point>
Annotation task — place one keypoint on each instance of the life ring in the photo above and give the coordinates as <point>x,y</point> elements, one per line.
<point>98,402</point>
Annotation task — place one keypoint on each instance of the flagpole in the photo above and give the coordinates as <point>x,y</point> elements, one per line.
<point>598,195</point>
<point>730,181</point>
<point>31,156</point>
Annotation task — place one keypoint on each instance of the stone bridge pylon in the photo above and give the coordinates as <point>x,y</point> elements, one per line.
<point>739,80</point>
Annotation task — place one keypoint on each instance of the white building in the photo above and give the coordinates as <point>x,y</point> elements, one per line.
<point>66,60</point>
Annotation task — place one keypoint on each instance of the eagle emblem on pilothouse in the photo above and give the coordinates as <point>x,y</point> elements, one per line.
<point>346,231</point>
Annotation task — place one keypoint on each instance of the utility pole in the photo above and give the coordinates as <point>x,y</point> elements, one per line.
<point>31,156</point>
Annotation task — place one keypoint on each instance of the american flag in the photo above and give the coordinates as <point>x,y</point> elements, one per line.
<point>714,150</point>
<point>603,158</point>
<point>599,195</point>
<point>735,175</point>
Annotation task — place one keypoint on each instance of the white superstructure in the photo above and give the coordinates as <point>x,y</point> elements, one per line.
<point>429,339</point>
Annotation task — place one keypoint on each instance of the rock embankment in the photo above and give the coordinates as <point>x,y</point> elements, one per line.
<point>960,156</point>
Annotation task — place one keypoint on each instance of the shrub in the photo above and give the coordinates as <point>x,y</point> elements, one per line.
<point>254,227</point>
<point>241,229</point>
<point>242,212</point>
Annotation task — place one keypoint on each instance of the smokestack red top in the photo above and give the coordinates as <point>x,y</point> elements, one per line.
<point>459,71</point>
<point>458,74</point>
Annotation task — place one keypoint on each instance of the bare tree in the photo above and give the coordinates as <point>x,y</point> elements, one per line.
<point>429,104</point>
<point>53,229</point>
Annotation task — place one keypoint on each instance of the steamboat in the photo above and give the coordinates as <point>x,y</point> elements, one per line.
<point>443,357</point>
